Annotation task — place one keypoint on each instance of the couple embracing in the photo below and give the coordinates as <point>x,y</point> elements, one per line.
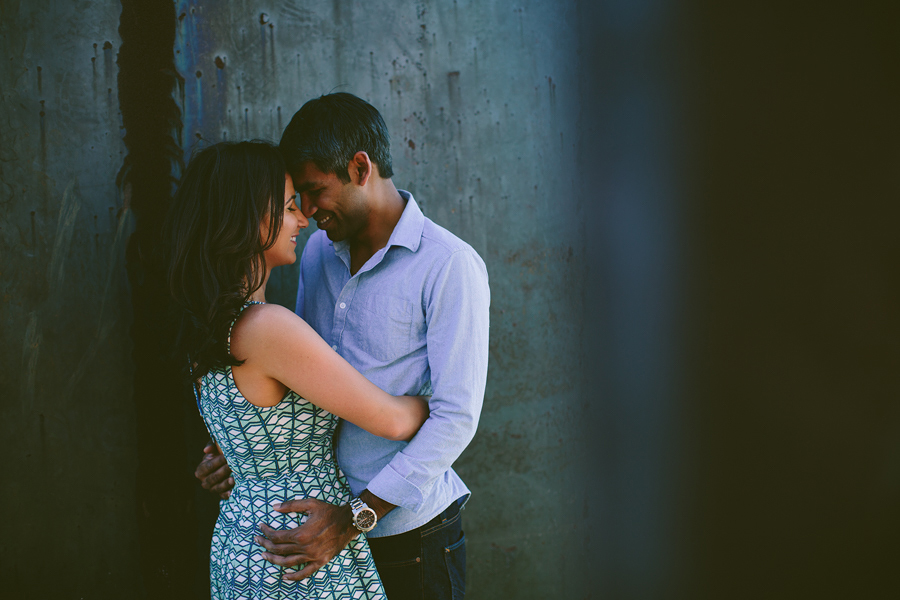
<point>384,361</point>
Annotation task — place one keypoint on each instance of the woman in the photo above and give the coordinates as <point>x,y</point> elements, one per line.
<point>269,388</point>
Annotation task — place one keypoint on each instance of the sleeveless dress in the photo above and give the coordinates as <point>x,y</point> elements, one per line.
<point>279,453</point>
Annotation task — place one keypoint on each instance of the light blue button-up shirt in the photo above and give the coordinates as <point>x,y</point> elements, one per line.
<point>413,320</point>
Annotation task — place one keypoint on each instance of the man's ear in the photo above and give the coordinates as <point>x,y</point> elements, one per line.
<point>360,168</point>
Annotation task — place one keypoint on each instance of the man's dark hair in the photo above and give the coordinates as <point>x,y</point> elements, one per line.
<point>329,130</point>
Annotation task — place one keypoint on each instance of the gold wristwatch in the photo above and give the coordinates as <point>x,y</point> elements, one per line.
<point>364,518</point>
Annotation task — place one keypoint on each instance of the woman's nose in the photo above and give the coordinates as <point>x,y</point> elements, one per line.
<point>304,222</point>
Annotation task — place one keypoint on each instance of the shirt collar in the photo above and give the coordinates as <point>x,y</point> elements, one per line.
<point>407,232</point>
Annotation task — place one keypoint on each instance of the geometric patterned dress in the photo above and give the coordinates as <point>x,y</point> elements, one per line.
<point>276,454</point>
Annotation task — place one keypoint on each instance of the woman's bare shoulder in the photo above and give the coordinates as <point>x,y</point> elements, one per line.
<point>264,323</point>
<point>265,313</point>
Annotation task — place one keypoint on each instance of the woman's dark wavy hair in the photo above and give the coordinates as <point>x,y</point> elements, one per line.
<point>213,245</point>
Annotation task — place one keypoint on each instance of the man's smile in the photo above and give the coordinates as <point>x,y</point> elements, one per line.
<point>322,221</point>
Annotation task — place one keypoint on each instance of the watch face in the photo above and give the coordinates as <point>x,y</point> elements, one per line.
<point>365,519</point>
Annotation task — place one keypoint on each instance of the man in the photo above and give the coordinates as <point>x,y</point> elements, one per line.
<point>406,303</point>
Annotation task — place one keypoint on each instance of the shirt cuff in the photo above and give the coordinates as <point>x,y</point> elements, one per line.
<point>391,487</point>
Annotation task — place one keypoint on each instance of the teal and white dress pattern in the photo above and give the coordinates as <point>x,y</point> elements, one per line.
<point>279,453</point>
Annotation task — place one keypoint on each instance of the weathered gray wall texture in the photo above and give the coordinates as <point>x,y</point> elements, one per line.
<point>481,99</point>
<point>66,418</point>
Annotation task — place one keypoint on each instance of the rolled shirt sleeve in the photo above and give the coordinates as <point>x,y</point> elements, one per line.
<point>456,301</point>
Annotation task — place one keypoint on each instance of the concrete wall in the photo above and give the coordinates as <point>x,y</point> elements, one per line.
<point>67,420</point>
<point>481,99</point>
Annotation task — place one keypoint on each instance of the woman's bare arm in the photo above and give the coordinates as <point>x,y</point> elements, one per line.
<point>281,348</point>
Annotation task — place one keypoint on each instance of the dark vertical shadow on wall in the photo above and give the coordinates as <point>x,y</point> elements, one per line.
<point>632,197</point>
<point>152,121</point>
<point>788,470</point>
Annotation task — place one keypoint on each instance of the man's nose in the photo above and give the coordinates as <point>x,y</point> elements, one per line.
<point>307,208</point>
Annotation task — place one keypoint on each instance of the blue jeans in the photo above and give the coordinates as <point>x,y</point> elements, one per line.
<point>428,563</point>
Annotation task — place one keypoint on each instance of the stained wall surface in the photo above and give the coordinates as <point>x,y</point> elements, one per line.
<point>479,98</point>
<point>66,416</point>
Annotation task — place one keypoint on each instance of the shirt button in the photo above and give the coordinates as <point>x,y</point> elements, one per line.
<point>343,305</point>
<point>334,348</point>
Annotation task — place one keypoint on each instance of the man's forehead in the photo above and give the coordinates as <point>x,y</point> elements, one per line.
<point>302,184</point>
<point>308,175</point>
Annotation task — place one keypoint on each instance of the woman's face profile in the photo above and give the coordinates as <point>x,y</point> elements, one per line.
<point>284,250</point>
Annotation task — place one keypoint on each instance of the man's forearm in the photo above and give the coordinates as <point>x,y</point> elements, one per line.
<point>457,317</point>
<point>381,507</point>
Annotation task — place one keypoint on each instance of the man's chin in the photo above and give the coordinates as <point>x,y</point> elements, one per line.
<point>334,235</point>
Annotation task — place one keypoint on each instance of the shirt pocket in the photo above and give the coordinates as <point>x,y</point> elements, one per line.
<point>388,327</point>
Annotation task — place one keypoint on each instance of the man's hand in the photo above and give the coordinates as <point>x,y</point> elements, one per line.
<point>326,532</point>
<point>213,472</point>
